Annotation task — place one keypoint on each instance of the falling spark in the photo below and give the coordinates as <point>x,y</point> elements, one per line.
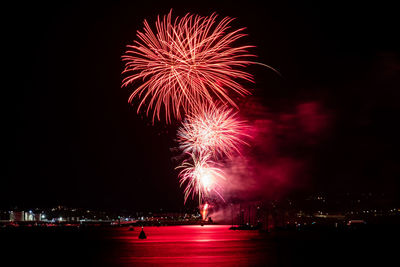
<point>204,211</point>
<point>189,62</point>
<point>216,130</point>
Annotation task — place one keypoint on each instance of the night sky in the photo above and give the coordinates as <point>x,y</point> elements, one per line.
<point>71,137</point>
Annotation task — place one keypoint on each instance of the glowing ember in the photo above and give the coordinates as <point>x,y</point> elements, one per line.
<point>204,211</point>
<point>186,64</point>
<point>214,130</point>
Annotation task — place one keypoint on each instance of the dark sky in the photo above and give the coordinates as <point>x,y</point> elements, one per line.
<point>71,138</point>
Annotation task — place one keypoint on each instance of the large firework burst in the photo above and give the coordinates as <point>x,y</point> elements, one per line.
<point>187,63</point>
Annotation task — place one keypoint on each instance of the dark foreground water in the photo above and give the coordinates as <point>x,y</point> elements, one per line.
<point>210,245</point>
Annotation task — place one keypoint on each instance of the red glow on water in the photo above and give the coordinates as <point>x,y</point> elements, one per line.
<point>210,245</point>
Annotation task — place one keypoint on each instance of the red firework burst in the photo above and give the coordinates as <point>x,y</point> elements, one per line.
<point>187,63</point>
<point>214,130</point>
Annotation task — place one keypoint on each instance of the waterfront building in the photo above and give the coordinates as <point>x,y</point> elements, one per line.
<point>17,216</point>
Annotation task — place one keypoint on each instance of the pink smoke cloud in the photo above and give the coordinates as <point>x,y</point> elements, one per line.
<point>278,159</point>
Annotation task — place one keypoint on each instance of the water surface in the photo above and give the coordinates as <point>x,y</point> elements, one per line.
<point>209,245</point>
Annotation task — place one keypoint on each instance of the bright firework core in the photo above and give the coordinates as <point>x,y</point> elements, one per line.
<point>201,176</point>
<point>205,178</point>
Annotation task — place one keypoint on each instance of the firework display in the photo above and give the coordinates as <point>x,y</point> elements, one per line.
<point>215,130</point>
<point>187,63</point>
<point>201,175</point>
<point>190,69</point>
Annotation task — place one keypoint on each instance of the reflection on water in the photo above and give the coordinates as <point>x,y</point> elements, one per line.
<point>209,244</point>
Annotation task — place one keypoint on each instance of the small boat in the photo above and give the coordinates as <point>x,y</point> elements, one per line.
<point>142,235</point>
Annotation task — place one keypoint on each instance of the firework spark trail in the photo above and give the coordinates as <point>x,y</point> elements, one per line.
<point>188,63</point>
<point>215,130</point>
<point>201,176</point>
<point>204,211</point>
